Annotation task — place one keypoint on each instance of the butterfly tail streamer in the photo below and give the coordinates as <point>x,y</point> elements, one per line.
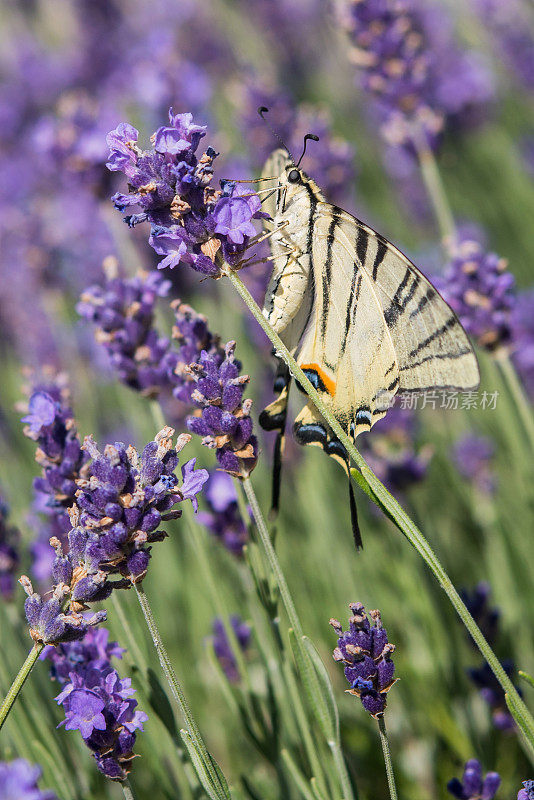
<point>273,418</point>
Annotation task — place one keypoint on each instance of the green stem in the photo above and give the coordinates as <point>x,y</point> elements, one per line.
<point>342,771</point>
<point>387,757</point>
<point>127,790</point>
<point>380,495</point>
<point>176,688</point>
<point>517,392</point>
<point>436,192</point>
<point>19,681</point>
<point>273,558</point>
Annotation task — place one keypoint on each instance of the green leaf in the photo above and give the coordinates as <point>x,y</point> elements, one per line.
<point>297,776</point>
<point>526,677</point>
<point>216,790</point>
<point>317,687</point>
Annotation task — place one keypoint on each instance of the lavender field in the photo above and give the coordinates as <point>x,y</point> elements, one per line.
<point>185,610</point>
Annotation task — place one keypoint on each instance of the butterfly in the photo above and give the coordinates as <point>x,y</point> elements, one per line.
<point>362,322</point>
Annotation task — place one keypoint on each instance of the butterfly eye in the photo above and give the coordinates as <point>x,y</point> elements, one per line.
<point>294,176</point>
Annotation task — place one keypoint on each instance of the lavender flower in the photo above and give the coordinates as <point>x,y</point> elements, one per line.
<point>472,456</point>
<point>18,781</point>
<point>223,419</point>
<point>50,423</point>
<point>365,652</point>
<point>527,792</point>
<point>412,65</point>
<point>223,519</point>
<point>512,28</point>
<point>480,290</point>
<point>190,222</point>
<point>9,556</point>
<point>123,311</point>
<point>119,509</point>
<point>192,335</point>
<point>96,701</point>
<point>522,323</point>
<point>223,649</point>
<point>473,786</point>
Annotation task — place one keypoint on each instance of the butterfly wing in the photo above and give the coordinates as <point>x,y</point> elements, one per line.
<point>347,350</point>
<point>431,347</point>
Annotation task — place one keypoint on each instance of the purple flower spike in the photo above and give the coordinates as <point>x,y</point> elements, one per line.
<point>527,792</point>
<point>473,455</point>
<point>223,649</point>
<point>223,419</point>
<point>365,652</point>
<point>411,63</point>
<point>473,786</point>
<point>123,312</point>
<point>18,781</point>
<point>481,291</point>
<point>96,701</point>
<point>224,519</point>
<point>190,222</point>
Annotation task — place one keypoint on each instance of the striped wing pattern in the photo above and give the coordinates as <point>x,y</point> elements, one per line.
<point>432,348</point>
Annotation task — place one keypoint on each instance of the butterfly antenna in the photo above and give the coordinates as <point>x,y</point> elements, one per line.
<point>264,110</point>
<point>311,136</point>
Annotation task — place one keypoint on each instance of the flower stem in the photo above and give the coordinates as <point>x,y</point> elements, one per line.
<point>380,495</point>
<point>517,392</point>
<point>387,757</point>
<point>127,790</point>
<point>436,192</point>
<point>178,694</point>
<point>19,681</point>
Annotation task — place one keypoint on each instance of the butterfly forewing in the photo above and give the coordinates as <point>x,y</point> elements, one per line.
<point>432,348</point>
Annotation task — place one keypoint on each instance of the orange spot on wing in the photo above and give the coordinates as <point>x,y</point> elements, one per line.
<point>328,383</point>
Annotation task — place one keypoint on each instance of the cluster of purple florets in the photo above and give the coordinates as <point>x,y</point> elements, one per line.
<point>123,311</point>
<point>473,785</point>
<point>18,779</point>
<point>487,618</point>
<point>223,519</point>
<point>223,418</point>
<point>96,701</point>
<point>412,65</point>
<point>119,509</point>
<point>192,337</point>
<point>480,289</point>
<point>527,792</point>
<point>9,555</point>
<point>223,649</point>
<point>50,423</point>
<point>365,652</point>
<point>190,222</point>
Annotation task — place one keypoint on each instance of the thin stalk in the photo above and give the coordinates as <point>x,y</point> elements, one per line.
<point>436,192</point>
<point>175,686</point>
<point>517,392</point>
<point>19,682</point>
<point>387,757</point>
<point>127,790</point>
<point>273,558</point>
<point>342,771</point>
<point>380,495</point>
